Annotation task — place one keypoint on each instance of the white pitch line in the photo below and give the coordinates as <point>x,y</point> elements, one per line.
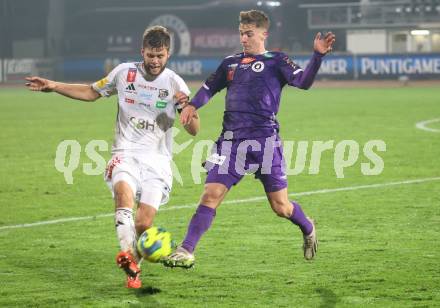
<point>247,200</point>
<point>423,125</point>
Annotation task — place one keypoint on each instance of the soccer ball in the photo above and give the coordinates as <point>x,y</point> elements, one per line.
<point>154,244</point>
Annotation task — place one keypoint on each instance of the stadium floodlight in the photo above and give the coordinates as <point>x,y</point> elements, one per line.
<point>273,3</point>
<point>419,32</point>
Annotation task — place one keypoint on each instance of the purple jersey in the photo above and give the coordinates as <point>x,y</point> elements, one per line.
<point>254,84</point>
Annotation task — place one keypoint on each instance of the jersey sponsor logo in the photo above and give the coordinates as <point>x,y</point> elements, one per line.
<point>129,100</point>
<point>258,66</point>
<point>130,87</point>
<point>146,95</point>
<point>161,104</point>
<point>101,83</point>
<point>163,93</point>
<point>247,60</point>
<point>230,75</point>
<point>245,66</point>
<point>142,123</point>
<point>146,87</point>
<point>231,70</point>
<point>131,75</point>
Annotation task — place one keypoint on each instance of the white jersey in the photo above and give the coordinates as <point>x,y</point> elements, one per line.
<point>146,109</point>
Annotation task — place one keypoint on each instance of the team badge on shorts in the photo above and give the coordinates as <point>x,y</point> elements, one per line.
<point>257,66</point>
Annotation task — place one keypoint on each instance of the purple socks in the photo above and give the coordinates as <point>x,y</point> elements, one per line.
<point>200,223</point>
<point>299,219</point>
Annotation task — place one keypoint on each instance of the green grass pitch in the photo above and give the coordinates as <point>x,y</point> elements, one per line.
<point>379,245</point>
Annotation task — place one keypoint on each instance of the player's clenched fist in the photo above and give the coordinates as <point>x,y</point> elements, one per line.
<point>40,84</point>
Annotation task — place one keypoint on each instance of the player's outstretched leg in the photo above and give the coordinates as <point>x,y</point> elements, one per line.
<point>179,258</point>
<point>308,229</point>
<point>200,223</point>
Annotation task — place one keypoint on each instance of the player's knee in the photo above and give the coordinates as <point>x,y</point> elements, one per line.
<point>282,209</point>
<point>212,196</point>
<point>123,195</point>
<point>143,225</point>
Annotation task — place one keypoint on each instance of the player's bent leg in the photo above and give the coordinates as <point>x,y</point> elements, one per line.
<point>279,202</point>
<point>281,205</point>
<point>124,223</point>
<point>200,223</point>
<point>126,258</point>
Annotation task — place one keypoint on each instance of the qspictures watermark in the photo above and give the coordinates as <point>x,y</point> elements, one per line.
<point>300,157</point>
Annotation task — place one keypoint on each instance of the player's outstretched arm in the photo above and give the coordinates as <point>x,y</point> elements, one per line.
<point>304,78</point>
<point>82,92</point>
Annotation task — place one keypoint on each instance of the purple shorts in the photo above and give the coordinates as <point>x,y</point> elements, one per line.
<point>230,160</point>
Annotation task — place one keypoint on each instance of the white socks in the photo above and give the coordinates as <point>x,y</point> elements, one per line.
<point>125,230</point>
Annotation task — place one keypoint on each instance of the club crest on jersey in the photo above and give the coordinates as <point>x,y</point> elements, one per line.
<point>257,66</point>
<point>163,93</point>
<point>131,75</point>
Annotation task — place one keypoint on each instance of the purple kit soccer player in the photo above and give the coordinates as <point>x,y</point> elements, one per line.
<point>249,142</point>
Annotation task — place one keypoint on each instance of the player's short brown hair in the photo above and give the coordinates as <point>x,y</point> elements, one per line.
<point>258,18</point>
<point>156,37</point>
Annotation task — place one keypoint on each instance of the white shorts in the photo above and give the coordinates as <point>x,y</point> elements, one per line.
<point>150,184</point>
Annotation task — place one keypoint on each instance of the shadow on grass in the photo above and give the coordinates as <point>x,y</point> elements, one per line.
<point>328,297</point>
<point>146,291</point>
<point>144,296</point>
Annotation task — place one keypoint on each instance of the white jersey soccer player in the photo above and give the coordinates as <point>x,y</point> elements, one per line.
<point>142,147</point>
<point>140,168</point>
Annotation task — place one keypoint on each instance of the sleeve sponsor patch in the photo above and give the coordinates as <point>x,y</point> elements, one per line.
<point>101,83</point>
<point>291,63</point>
<point>211,78</point>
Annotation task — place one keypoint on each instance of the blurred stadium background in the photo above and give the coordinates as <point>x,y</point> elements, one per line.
<point>82,40</point>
